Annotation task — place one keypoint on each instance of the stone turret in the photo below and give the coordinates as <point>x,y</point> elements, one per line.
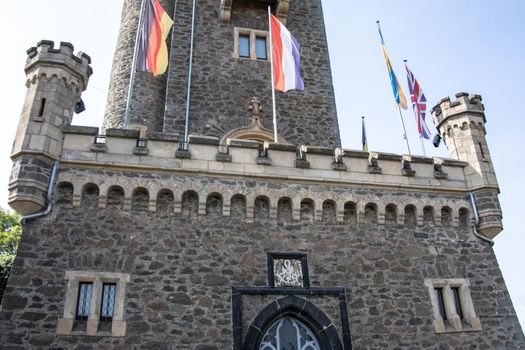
<point>55,81</point>
<point>461,123</point>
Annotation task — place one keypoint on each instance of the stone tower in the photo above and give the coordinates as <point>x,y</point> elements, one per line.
<point>461,123</point>
<point>55,80</point>
<point>223,81</point>
<point>237,242</point>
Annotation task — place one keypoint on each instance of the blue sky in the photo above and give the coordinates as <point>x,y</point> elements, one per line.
<point>451,46</point>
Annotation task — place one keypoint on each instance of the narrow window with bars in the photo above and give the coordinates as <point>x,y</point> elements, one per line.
<point>441,303</point>
<point>109,291</point>
<point>457,301</point>
<point>85,290</point>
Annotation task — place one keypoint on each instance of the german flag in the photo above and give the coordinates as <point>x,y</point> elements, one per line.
<point>153,51</point>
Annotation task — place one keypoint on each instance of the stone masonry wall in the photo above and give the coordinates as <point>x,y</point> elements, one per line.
<point>223,86</point>
<point>183,267</point>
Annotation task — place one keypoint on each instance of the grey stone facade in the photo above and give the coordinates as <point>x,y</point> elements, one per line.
<point>187,239</point>
<point>222,85</point>
<point>183,267</point>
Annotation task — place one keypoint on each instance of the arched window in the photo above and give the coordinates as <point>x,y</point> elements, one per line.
<point>288,333</point>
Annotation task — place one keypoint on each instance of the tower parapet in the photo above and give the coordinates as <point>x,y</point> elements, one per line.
<point>56,79</point>
<point>461,124</point>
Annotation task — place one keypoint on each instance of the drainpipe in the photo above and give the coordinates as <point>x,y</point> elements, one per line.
<point>476,225</point>
<point>23,219</point>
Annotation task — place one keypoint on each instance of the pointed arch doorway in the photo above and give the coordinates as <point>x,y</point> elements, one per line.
<point>288,333</point>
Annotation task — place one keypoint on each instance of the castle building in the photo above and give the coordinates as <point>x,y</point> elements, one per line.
<point>134,240</point>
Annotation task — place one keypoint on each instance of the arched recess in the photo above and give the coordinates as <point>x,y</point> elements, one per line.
<point>214,204</point>
<point>165,201</point>
<point>391,215</point>
<point>371,213</point>
<point>300,309</point>
<point>463,217</point>
<point>261,208</point>
<point>329,211</point>
<point>65,193</point>
<point>284,211</point>
<point>140,199</point>
<point>238,207</point>
<point>410,216</point>
<point>307,210</point>
<point>190,204</point>
<point>115,198</point>
<point>350,213</point>
<point>446,216</point>
<point>89,197</point>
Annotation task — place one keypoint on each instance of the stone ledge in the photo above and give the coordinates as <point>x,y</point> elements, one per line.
<point>141,151</point>
<point>263,161</point>
<point>204,140</point>
<point>80,130</point>
<point>183,154</point>
<point>122,133</point>
<point>223,157</point>
<point>98,148</point>
<point>302,163</point>
<point>338,166</point>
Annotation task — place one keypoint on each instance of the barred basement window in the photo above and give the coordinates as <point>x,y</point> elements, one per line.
<point>94,304</point>
<point>251,44</point>
<point>452,305</point>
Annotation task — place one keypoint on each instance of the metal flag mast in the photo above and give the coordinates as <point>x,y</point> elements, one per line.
<point>134,65</point>
<point>274,107</point>
<point>187,117</point>
<point>398,103</point>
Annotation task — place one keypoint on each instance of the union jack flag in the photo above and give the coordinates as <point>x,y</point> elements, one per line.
<point>419,104</point>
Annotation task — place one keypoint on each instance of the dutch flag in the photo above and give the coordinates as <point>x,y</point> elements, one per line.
<point>286,58</point>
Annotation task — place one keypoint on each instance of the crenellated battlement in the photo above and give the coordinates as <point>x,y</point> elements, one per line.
<point>45,55</point>
<point>465,103</point>
<point>124,149</point>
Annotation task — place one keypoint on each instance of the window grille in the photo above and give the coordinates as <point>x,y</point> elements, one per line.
<point>108,301</point>
<point>288,333</point>
<point>85,289</point>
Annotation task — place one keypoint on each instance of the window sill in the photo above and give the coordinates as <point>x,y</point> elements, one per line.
<point>66,325</point>
<point>469,325</point>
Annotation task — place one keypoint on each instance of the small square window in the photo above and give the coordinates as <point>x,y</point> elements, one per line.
<point>85,289</point>
<point>260,48</point>
<point>251,44</point>
<point>83,315</point>
<point>244,46</point>
<point>452,305</point>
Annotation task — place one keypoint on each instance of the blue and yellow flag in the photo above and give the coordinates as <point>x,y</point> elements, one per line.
<point>399,96</point>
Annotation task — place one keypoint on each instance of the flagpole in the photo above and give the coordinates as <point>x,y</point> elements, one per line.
<point>422,146</point>
<point>133,66</point>
<point>274,107</point>
<point>364,140</point>
<point>187,117</point>
<point>387,60</point>
<point>404,129</point>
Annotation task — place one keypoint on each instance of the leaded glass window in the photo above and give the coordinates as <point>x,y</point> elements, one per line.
<point>288,333</point>
<point>108,301</point>
<point>260,48</point>
<point>244,45</point>
<point>85,290</point>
